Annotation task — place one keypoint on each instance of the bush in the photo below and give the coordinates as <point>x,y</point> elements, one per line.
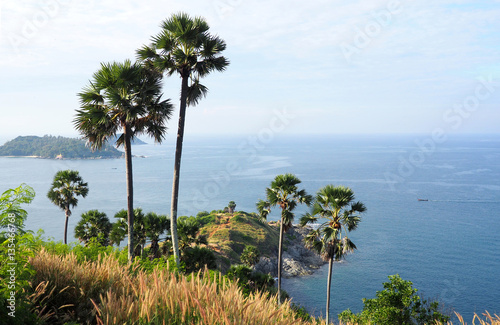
<point>397,304</point>
<point>250,281</point>
<point>196,258</point>
<point>250,256</point>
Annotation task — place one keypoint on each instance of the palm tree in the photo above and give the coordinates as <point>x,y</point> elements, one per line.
<point>184,46</point>
<point>93,224</point>
<point>67,185</point>
<point>123,97</point>
<point>155,225</point>
<point>284,193</point>
<point>335,204</point>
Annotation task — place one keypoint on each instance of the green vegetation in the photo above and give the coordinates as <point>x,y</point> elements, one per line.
<point>397,304</point>
<point>54,147</point>
<point>123,97</point>
<point>59,283</point>
<point>184,47</point>
<point>284,193</point>
<point>65,189</point>
<point>229,234</point>
<point>335,204</point>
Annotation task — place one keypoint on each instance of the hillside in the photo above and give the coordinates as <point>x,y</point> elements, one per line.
<point>55,147</point>
<point>229,233</point>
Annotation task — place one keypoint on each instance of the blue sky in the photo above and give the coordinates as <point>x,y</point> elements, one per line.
<point>392,66</point>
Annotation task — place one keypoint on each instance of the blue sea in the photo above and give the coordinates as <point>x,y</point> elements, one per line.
<point>448,246</point>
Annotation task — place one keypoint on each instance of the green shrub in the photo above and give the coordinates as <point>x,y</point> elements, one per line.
<point>196,258</point>
<point>250,256</point>
<point>398,303</point>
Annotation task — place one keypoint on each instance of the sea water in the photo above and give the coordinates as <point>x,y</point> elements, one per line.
<point>448,246</point>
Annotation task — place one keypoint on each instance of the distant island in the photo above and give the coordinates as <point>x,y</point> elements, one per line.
<point>52,147</point>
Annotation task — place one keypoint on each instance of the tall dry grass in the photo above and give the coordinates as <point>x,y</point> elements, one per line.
<point>104,292</point>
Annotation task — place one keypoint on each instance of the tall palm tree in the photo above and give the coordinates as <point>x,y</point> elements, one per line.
<point>123,97</point>
<point>284,193</point>
<point>184,46</point>
<point>335,204</point>
<point>66,187</point>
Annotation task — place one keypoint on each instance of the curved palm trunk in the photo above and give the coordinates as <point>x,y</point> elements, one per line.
<point>130,193</point>
<point>67,213</point>
<point>280,260</point>
<point>177,167</point>
<point>330,264</point>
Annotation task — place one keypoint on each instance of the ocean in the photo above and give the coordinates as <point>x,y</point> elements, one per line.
<point>448,245</point>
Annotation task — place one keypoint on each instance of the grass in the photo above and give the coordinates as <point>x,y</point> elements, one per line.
<point>230,233</point>
<point>106,292</point>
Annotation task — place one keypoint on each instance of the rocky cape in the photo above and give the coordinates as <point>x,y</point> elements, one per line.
<point>297,259</point>
<point>229,233</point>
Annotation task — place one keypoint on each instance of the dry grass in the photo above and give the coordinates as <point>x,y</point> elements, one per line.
<point>104,292</point>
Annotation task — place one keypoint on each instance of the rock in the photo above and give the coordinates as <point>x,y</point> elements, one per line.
<point>297,259</point>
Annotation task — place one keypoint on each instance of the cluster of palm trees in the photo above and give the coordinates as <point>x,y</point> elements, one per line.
<point>127,98</point>
<point>334,206</point>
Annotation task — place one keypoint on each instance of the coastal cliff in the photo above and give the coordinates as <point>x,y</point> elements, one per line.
<point>229,233</point>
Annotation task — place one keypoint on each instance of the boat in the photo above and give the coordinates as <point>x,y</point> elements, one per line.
<point>423,200</point>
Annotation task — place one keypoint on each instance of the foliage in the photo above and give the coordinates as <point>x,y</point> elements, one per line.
<point>231,206</point>
<point>250,281</point>
<point>11,213</point>
<point>93,224</point>
<point>250,256</point>
<point>65,189</point>
<point>229,235</point>
<point>184,47</point>
<point>398,303</point>
<point>52,147</point>
<point>15,250</point>
<point>197,258</point>
<point>188,230</point>
<point>335,204</point>
<point>106,291</point>
<point>284,193</point>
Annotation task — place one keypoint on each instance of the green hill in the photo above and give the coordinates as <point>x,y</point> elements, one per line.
<point>55,147</point>
<point>229,233</point>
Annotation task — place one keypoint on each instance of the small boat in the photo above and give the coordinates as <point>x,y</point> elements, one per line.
<point>425,200</point>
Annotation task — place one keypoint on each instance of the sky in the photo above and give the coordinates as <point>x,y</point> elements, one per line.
<point>296,67</point>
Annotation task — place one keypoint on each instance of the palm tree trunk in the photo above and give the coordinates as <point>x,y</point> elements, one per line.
<point>130,193</point>
<point>330,263</point>
<point>177,167</point>
<point>67,213</point>
<point>280,260</point>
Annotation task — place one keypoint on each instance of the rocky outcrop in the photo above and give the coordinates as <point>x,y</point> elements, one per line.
<point>297,259</point>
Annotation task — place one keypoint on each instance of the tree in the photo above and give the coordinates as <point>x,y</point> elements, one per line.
<point>330,240</point>
<point>250,256</point>
<point>398,303</point>
<point>231,206</point>
<point>93,224</point>
<point>121,228</point>
<point>65,189</point>
<point>284,193</point>
<point>155,225</point>
<point>127,97</point>
<point>184,46</point>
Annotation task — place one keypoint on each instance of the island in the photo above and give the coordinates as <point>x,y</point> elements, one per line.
<point>55,147</point>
